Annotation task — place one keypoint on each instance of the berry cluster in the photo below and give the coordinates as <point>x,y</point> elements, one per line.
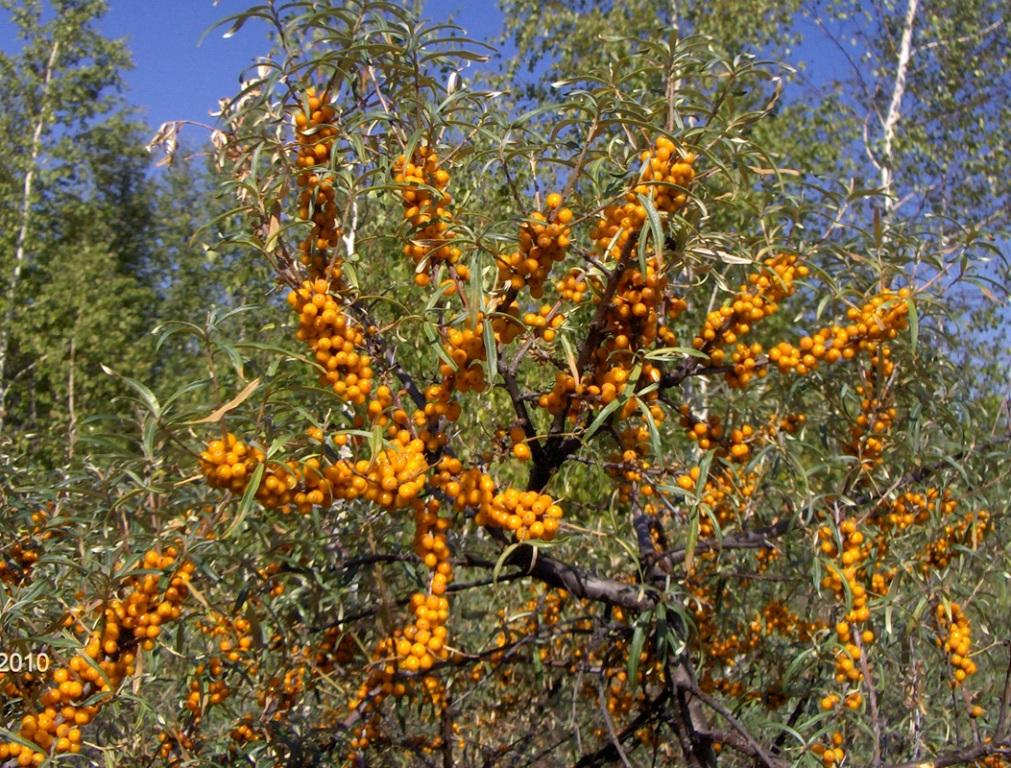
<point>666,175</point>
<point>967,532</point>
<point>724,648</point>
<point>867,436</point>
<point>466,349</point>
<point>728,492</point>
<point>439,404</point>
<point>430,538</point>
<point>688,480</point>
<point>878,320</point>
<point>277,486</point>
<point>393,478</point>
<point>412,650</point>
<point>520,446</point>
<point>335,339</point>
<point>777,619</point>
<point>707,434</point>
<point>754,301</point>
<point>228,463</point>
<point>573,286</point>
<point>467,488</point>
<point>957,642</point>
<point>545,321</point>
<point>910,508</point>
<point>633,317</point>
<point>711,435</point>
<point>314,133</point>
<point>400,661</point>
<point>423,642</point>
<point>530,515</point>
<point>233,638</point>
<point>561,395</point>
<point>427,209</point>
<point>506,324</point>
<point>730,485</point>
<point>543,240</point>
<point>833,753</point>
<point>109,654</point>
<point>23,553</point>
<point>853,640</point>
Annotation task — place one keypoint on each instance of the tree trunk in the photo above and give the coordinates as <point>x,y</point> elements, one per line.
<point>21,244</point>
<point>71,405</point>
<point>887,164</point>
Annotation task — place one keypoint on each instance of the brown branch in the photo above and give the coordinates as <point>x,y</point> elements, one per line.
<point>687,719</point>
<point>607,753</point>
<point>596,331</point>
<point>522,414</point>
<point>1005,702</point>
<point>802,702</point>
<point>872,699</point>
<point>570,182</point>
<point>556,448</point>
<point>967,755</point>
<point>447,734</point>
<point>760,538</point>
<point>388,355</point>
<point>615,741</point>
<point>579,583</point>
<point>753,747</point>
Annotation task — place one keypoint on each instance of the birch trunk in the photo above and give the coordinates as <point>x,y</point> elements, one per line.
<point>887,180</point>
<point>21,244</point>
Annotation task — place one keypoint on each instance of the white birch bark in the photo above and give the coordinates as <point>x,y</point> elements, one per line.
<point>894,114</point>
<point>24,229</point>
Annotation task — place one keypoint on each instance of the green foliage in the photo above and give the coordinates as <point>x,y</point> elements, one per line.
<point>689,609</point>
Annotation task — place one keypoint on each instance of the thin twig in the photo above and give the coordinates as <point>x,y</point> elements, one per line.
<point>1005,701</point>
<point>743,732</point>
<point>615,741</point>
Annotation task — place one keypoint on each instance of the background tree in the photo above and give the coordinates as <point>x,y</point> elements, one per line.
<point>57,86</point>
<point>98,250</point>
<point>925,85</point>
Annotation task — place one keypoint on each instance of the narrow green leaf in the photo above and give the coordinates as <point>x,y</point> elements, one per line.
<point>638,639</point>
<point>233,357</point>
<point>672,354</point>
<point>146,395</point>
<point>247,499</point>
<point>148,435</point>
<point>641,251</point>
<point>692,539</point>
<point>610,408</point>
<point>375,442</point>
<point>655,226</point>
<point>500,563</point>
<point>914,325</point>
<point>11,736</point>
<point>490,351</point>
<point>654,433</point>
<point>704,465</point>
<point>799,662</point>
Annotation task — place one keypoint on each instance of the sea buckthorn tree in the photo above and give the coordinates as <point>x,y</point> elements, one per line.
<point>583,435</point>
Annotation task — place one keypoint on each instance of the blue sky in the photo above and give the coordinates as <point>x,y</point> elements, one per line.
<point>174,78</point>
